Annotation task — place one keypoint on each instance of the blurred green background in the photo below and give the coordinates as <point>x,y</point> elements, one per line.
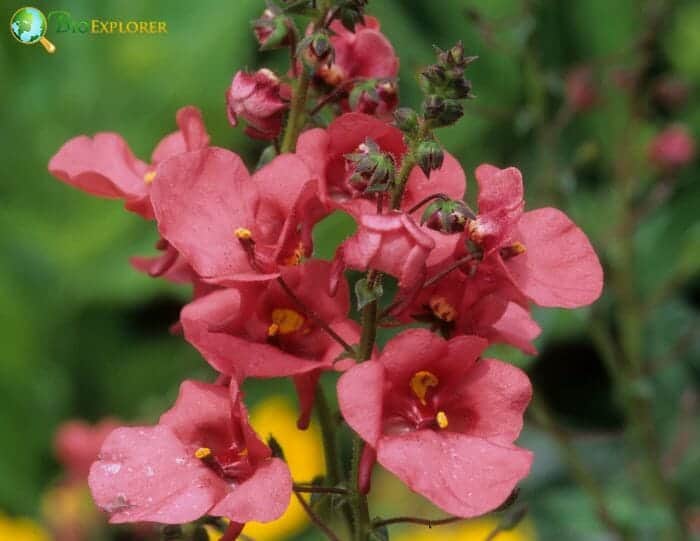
<point>83,335</point>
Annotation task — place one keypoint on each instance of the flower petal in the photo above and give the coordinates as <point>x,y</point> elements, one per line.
<point>463,475</point>
<point>145,474</point>
<point>559,267</point>
<point>263,497</point>
<point>360,397</point>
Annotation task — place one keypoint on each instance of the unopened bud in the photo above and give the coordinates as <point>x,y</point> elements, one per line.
<point>273,29</point>
<point>316,50</point>
<point>373,170</point>
<point>406,119</point>
<point>442,112</point>
<point>374,97</point>
<point>429,156</point>
<point>447,216</point>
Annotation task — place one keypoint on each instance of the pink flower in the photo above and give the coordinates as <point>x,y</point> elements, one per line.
<point>581,91</point>
<point>672,148</point>
<point>227,225</point>
<point>105,166</point>
<point>390,243</point>
<point>542,252</point>
<point>486,305</point>
<point>202,458</point>
<point>365,53</point>
<point>441,420</point>
<point>257,330</point>
<point>77,445</point>
<point>260,99</point>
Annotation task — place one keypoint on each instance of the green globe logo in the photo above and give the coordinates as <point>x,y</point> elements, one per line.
<point>28,25</point>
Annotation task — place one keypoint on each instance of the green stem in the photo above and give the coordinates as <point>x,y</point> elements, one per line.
<point>297,111</point>
<point>360,508</point>
<point>407,164</point>
<point>334,469</point>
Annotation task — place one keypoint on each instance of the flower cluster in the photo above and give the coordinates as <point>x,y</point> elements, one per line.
<point>429,406</point>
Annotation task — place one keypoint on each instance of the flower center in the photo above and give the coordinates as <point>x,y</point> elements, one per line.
<point>149,176</point>
<point>231,464</point>
<point>442,309</point>
<point>421,382</point>
<point>285,321</point>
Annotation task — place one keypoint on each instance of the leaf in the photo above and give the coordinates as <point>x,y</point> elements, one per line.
<point>366,294</point>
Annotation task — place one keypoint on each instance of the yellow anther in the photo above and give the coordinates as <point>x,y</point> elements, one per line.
<point>285,321</point>
<point>295,258</point>
<point>442,309</point>
<point>518,248</point>
<point>202,453</point>
<point>243,233</point>
<point>421,382</point>
<point>148,177</point>
<point>244,452</point>
<point>441,419</point>
<point>273,329</point>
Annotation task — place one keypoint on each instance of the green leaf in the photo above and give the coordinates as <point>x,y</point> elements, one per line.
<point>366,294</point>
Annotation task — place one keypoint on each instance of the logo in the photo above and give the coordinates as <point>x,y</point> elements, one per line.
<point>28,25</point>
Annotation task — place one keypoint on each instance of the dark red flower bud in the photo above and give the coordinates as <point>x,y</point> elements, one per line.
<point>374,97</point>
<point>581,91</point>
<point>447,216</point>
<point>316,50</point>
<point>442,112</point>
<point>429,155</point>
<point>672,148</point>
<point>671,93</point>
<point>274,29</point>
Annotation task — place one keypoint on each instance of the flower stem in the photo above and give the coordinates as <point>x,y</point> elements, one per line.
<point>315,518</point>
<point>429,522</point>
<point>334,470</point>
<point>297,112</point>
<point>407,164</point>
<point>360,508</point>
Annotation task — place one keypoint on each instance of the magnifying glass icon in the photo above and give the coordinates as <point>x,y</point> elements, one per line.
<point>28,25</point>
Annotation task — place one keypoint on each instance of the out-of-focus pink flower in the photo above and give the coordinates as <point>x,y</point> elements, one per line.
<point>77,445</point>
<point>260,99</point>
<point>581,91</point>
<point>672,148</point>
<point>441,420</point>
<point>202,458</point>
<point>227,225</point>
<point>257,330</point>
<point>365,53</point>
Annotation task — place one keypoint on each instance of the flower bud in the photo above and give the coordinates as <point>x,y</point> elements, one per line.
<point>406,119</point>
<point>273,29</point>
<point>374,97</point>
<point>447,216</point>
<point>581,92</point>
<point>258,99</point>
<point>350,13</point>
<point>316,50</point>
<point>429,156</point>
<point>373,170</point>
<point>670,93</point>
<point>672,148</point>
<point>442,112</point>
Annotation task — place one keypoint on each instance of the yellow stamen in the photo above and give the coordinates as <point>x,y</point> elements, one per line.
<point>421,382</point>
<point>295,258</point>
<point>441,419</point>
<point>243,233</point>
<point>244,452</point>
<point>442,309</point>
<point>285,321</point>
<point>273,329</point>
<point>202,453</point>
<point>148,177</point>
<point>518,248</point>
